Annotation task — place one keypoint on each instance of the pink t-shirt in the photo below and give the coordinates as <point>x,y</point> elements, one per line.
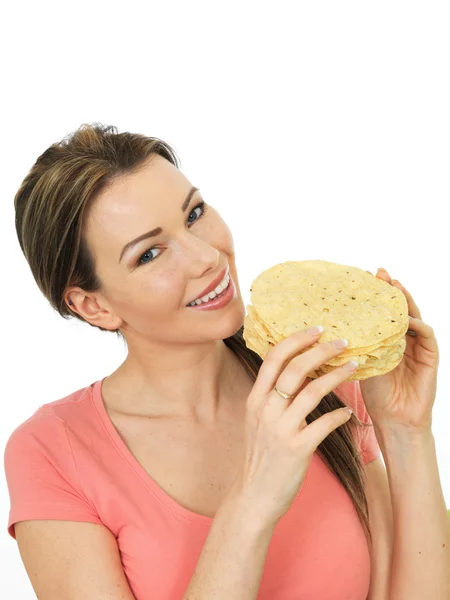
<point>68,462</point>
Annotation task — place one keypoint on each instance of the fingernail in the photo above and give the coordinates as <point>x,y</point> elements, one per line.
<point>351,365</point>
<point>341,343</point>
<point>315,330</point>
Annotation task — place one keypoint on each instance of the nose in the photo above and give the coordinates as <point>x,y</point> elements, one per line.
<point>202,254</point>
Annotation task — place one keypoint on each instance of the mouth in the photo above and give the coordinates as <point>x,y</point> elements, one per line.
<point>225,282</point>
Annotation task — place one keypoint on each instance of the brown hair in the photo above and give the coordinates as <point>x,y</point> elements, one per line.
<point>50,207</point>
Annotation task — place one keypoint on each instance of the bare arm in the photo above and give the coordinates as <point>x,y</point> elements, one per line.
<point>279,446</point>
<point>232,560</point>
<point>81,561</point>
<point>421,560</point>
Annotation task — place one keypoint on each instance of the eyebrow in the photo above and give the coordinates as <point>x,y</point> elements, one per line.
<point>157,230</point>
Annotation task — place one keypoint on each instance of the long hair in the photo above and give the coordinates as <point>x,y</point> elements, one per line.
<point>50,208</point>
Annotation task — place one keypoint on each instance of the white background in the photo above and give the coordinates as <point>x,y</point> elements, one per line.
<point>318,130</point>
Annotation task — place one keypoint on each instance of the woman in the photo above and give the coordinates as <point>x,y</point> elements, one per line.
<point>122,488</point>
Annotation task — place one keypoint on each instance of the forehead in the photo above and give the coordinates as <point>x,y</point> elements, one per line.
<point>134,204</point>
<point>156,182</point>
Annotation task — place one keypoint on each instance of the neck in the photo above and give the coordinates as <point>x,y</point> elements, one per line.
<point>204,389</point>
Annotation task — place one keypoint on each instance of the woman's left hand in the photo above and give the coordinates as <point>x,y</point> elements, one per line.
<point>403,398</point>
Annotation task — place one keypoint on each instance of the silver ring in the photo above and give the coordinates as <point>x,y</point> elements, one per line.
<point>284,395</point>
<point>411,332</point>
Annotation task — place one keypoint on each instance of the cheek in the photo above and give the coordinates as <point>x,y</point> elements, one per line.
<point>219,234</point>
<point>159,292</point>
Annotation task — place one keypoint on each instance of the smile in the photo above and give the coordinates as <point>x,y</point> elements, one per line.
<point>223,285</point>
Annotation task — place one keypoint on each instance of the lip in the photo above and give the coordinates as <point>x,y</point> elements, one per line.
<point>218,302</point>
<point>211,286</point>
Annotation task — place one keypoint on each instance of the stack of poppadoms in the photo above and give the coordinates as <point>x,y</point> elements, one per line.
<point>347,301</point>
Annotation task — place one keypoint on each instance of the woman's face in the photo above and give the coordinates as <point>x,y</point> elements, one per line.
<point>146,289</point>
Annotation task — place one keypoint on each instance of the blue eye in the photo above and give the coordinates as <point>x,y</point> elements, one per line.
<point>200,205</point>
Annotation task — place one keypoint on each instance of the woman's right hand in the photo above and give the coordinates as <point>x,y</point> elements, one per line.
<point>279,444</point>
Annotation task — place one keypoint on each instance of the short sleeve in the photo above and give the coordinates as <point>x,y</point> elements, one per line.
<point>41,474</point>
<point>350,393</point>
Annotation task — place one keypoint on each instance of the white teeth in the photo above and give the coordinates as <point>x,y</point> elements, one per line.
<point>218,290</point>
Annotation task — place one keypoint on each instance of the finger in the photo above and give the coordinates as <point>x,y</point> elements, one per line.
<point>292,380</point>
<point>383,274</point>
<point>274,363</point>
<point>413,309</point>
<point>311,395</point>
<point>311,436</point>
<point>293,376</point>
<point>425,334</point>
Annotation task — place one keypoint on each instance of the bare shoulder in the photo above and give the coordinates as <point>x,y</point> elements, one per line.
<point>71,560</point>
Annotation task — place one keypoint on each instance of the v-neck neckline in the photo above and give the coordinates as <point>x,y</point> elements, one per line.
<point>174,507</point>
<point>179,510</point>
